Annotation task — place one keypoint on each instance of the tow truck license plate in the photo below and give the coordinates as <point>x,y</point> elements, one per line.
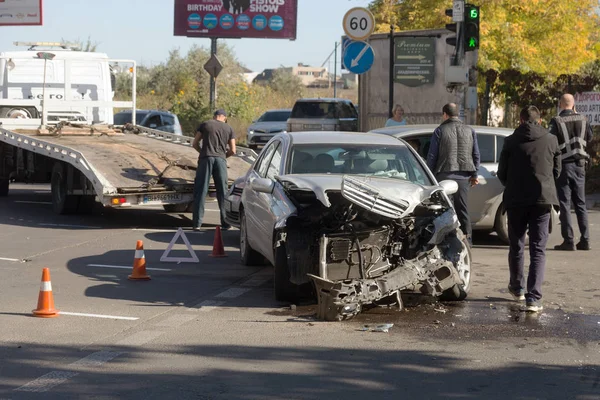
<point>153,198</point>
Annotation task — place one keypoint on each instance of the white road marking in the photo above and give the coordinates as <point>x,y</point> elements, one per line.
<point>232,293</point>
<point>96,359</point>
<point>124,267</point>
<point>206,306</point>
<point>176,320</point>
<point>140,338</point>
<point>9,259</point>
<point>47,382</point>
<point>98,316</point>
<point>71,226</point>
<point>33,202</point>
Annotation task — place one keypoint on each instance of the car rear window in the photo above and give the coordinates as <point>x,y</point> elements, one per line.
<point>123,118</point>
<point>323,109</point>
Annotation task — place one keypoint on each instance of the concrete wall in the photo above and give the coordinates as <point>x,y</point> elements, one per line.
<point>422,104</point>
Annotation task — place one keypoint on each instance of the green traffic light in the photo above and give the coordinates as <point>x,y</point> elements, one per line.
<point>473,13</point>
<point>472,42</point>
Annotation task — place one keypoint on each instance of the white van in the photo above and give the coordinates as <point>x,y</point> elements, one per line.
<point>73,79</point>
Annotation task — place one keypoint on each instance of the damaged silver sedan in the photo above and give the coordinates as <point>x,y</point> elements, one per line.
<point>357,218</point>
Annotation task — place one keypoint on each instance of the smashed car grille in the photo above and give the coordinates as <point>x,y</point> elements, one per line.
<point>368,197</point>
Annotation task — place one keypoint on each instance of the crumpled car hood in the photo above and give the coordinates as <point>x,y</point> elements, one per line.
<point>408,194</point>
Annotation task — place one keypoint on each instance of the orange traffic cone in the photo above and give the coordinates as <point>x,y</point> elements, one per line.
<point>139,264</point>
<point>218,249</point>
<point>45,307</point>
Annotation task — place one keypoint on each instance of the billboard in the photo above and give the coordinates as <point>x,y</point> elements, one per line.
<point>588,104</point>
<point>22,12</point>
<point>263,19</point>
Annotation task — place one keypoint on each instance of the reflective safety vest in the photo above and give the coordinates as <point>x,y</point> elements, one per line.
<point>571,136</point>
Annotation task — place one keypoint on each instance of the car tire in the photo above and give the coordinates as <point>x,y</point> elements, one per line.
<point>501,224</point>
<point>464,266</point>
<point>4,187</point>
<point>284,289</point>
<point>248,255</point>
<point>62,203</point>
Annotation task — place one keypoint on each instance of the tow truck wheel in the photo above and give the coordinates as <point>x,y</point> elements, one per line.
<point>3,187</point>
<point>18,112</point>
<point>62,203</point>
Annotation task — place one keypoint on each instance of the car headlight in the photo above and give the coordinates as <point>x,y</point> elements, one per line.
<point>284,131</point>
<point>250,132</point>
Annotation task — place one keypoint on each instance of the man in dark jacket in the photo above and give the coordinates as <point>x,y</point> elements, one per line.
<point>573,133</point>
<point>529,164</point>
<point>454,154</point>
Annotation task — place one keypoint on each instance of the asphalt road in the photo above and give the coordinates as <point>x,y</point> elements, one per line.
<point>211,330</point>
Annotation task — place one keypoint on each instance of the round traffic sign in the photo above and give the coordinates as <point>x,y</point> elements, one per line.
<point>359,23</point>
<point>358,57</point>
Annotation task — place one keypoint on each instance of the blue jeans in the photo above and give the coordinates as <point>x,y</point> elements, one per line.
<point>207,167</point>
<point>536,219</point>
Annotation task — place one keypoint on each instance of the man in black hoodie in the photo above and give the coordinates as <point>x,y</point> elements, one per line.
<point>529,164</point>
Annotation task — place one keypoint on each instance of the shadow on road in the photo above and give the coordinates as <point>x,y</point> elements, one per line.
<point>271,372</point>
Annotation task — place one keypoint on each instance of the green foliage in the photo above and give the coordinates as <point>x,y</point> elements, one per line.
<point>83,45</point>
<point>285,82</point>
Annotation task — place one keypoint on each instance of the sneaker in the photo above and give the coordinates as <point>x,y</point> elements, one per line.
<point>517,296</point>
<point>565,246</point>
<point>533,306</point>
<point>196,229</point>
<point>583,245</point>
<point>225,227</point>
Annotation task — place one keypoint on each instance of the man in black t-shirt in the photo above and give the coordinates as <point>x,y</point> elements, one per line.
<point>215,135</point>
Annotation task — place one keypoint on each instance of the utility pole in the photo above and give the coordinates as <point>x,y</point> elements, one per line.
<point>213,79</point>
<point>391,73</point>
<point>335,70</point>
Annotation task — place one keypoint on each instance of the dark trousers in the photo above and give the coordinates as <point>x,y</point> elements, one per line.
<point>571,187</point>
<point>537,219</point>
<point>460,200</point>
<point>207,167</point>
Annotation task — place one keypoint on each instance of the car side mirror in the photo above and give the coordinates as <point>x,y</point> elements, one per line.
<point>264,185</point>
<point>449,186</point>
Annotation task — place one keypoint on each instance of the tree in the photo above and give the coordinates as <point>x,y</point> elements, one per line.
<point>550,37</point>
<point>87,45</point>
<point>285,82</point>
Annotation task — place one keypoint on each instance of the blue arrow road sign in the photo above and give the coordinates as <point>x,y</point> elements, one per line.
<point>358,57</point>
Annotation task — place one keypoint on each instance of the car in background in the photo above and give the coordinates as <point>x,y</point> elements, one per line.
<point>323,115</point>
<point>153,119</point>
<point>358,214</point>
<point>266,126</point>
<point>485,199</point>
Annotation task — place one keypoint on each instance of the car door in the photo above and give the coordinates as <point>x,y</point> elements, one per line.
<point>481,196</point>
<point>267,207</point>
<point>253,201</point>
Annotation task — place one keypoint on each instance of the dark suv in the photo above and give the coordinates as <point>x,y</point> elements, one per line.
<point>153,119</point>
<point>323,115</point>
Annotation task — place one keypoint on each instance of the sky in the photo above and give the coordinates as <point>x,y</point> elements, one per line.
<point>143,30</point>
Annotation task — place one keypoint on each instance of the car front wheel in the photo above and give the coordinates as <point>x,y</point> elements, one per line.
<point>463,267</point>
<point>248,255</point>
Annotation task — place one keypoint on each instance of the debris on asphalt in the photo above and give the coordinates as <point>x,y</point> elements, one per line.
<point>437,322</point>
<point>440,310</point>
<point>453,325</point>
<point>293,307</point>
<point>377,328</point>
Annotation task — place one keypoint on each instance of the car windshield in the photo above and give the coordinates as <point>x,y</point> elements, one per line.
<point>323,110</point>
<point>123,118</point>
<point>274,116</point>
<point>385,161</point>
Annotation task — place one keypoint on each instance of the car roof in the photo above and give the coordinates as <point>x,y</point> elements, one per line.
<point>407,130</point>
<point>329,137</point>
<point>323,99</point>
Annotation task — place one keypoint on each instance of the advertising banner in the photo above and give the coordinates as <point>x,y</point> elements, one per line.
<point>264,19</point>
<point>588,104</point>
<point>21,12</point>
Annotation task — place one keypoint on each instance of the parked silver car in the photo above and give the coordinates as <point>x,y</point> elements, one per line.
<point>266,126</point>
<point>359,214</point>
<point>323,115</point>
<point>485,200</point>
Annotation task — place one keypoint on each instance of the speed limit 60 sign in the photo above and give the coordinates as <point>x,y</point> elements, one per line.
<point>359,23</point>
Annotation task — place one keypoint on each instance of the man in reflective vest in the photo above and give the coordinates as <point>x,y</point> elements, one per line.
<point>573,132</point>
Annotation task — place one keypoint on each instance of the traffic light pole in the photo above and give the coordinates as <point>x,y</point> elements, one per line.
<point>391,73</point>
